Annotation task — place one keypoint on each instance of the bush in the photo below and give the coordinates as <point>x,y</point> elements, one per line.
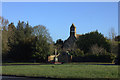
<point>76,53</point>
<point>109,57</point>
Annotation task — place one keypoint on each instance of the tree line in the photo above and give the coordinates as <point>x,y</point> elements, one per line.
<point>93,47</point>
<point>23,43</point>
<point>26,43</point>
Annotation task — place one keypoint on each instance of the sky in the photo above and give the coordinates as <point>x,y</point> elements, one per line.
<point>59,16</point>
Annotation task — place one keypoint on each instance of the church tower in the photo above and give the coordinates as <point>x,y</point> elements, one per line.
<point>70,44</point>
<point>73,30</point>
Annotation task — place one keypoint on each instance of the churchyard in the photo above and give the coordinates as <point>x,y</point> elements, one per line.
<point>40,46</point>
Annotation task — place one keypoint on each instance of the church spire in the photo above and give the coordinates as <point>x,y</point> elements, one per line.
<point>73,25</point>
<point>73,30</point>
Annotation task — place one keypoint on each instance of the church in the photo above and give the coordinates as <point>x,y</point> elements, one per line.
<point>70,44</point>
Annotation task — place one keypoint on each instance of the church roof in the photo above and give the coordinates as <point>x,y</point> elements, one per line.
<point>73,26</point>
<point>77,35</point>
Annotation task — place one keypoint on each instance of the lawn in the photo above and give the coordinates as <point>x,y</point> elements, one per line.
<point>62,71</point>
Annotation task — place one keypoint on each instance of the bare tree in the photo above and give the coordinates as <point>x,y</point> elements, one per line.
<point>113,43</point>
<point>41,30</point>
<point>112,33</point>
<point>95,49</point>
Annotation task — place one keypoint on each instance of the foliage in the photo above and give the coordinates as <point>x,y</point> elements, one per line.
<point>11,35</point>
<point>21,49</point>
<point>77,53</point>
<point>95,49</point>
<point>85,41</point>
<point>114,46</point>
<point>24,43</point>
<point>59,42</point>
<point>59,45</point>
<point>117,38</point>
<point>51,49</point>
<point>96,54</point>
<point>4,35</point>
<point>109,57</point>
<point>3,22</point>
<point>41,30</point>
<point>43,43</point>
<point>117,61</point>
<point>41,49</point>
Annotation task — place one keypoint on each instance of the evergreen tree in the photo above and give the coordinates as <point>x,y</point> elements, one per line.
<point>85,42</point>
<point>11,34</point>
<point>22,48</point>
<point>20,31</point>
<point>28,31</point>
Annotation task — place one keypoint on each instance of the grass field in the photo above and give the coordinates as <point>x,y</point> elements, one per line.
<point>62,71</point>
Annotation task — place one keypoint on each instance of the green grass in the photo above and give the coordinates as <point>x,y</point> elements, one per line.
<point>23,63</point>
<point>19,63</point>
<point>62,71</point>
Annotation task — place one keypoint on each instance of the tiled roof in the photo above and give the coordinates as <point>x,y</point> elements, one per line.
<point>77,35</point>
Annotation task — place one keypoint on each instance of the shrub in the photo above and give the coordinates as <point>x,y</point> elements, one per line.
<point>108,57</point>
<point>76,53</point>
<point>79,52</point>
